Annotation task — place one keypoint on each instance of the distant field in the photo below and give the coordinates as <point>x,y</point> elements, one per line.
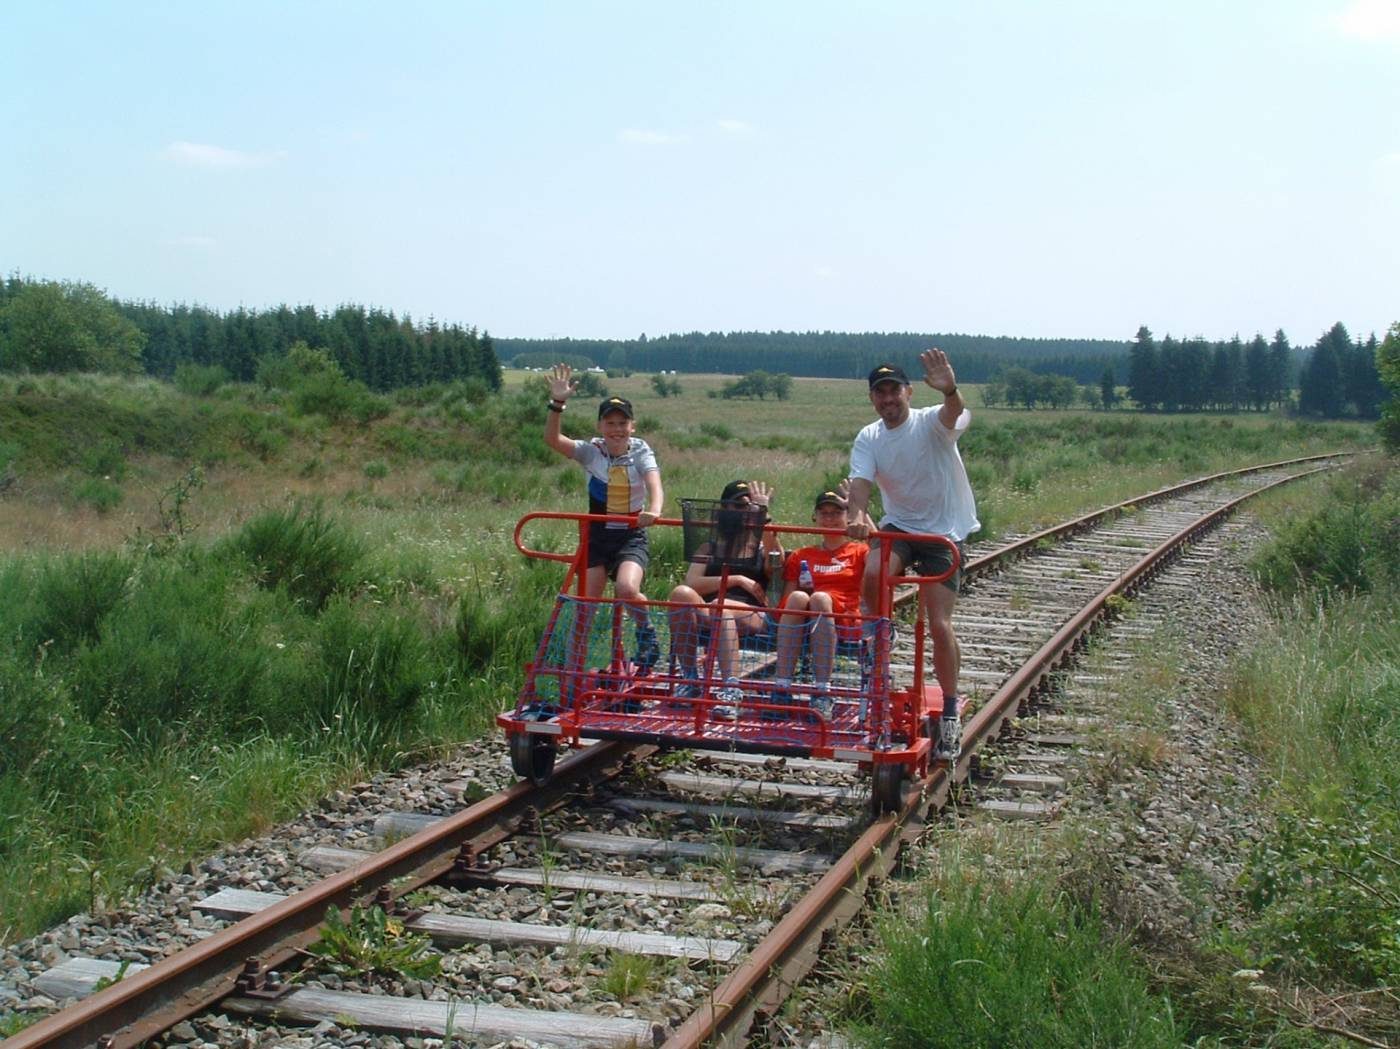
<point>1028,468</point>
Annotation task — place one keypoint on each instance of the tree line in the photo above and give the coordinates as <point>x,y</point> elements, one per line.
<point>821,354</point>
<point>1338,379</point>
<point>67,326</point>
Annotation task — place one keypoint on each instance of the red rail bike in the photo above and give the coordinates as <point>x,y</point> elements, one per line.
<point>593,677</point>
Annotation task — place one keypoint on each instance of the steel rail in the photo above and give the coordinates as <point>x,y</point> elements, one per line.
<point>142,1005</point>
<point>763,980</point>
<point>1089,520</point>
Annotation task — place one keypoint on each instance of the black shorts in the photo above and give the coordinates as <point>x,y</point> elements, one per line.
<point>923,558</point>
<point>612,546</point>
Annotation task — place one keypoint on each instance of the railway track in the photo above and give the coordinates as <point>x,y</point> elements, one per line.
<point>639,897</point>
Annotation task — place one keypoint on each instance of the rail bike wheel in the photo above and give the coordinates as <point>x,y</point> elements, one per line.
<point>532,757</point>
<point>887,787</point>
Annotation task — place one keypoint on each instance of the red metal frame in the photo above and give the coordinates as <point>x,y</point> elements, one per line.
<point>613,702</point>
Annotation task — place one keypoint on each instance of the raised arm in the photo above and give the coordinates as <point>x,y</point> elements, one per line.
<point>938,374</point>
<point>560,390</point>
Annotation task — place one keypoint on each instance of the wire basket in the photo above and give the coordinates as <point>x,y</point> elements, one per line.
<point>722,536</point>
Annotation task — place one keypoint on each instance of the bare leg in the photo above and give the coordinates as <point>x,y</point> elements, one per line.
<point>726,635</point>
<point>938,602</point>
<point>685,629</point>
<point>790,635</point>
<point>823,638</point>
<point>870,582</point>
<point>628,587</point>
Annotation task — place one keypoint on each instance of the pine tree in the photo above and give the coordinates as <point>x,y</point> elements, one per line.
<point>1321,389</point>
<point>1108,388</point>
<point>1280,369</point>
<point>1144,371</point>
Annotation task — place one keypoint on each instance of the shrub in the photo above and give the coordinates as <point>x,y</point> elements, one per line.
<point>103,459</point>
<point>1352,544</point>
<point>331,395</point>
<point>1324,889</point>
<point>199,380</point>
<point>31,717</point>
<point>177,661</point>
<point>376,469</point>
<point>73,595</point>
<point>374,666</point>
<point>259,434</point>
<point>103,496</point>
<point>303,550</point>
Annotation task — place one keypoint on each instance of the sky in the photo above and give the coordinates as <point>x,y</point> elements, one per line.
<point>606,169</point>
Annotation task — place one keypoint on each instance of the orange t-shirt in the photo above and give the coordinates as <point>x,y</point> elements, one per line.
<point>835,572</point>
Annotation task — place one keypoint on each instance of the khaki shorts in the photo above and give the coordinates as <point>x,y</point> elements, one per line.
<point>923,558</point>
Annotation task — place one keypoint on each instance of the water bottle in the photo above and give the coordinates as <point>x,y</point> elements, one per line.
<point>775,577</point>
<point>804,577</point>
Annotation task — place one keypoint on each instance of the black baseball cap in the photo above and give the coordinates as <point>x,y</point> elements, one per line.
<point>733,490</point>
<point>831,497</point>
<point>887,373</point>
<point>616,404</point>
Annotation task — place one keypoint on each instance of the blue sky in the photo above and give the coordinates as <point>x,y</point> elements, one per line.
<point>606,169</point>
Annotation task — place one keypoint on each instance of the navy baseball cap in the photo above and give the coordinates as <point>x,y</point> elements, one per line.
<point>887,373</point>
<point>829,497</point>
<point>616,404</point>
<point>733,490</point>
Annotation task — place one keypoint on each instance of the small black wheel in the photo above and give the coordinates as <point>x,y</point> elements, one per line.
<point>532,757</point>
<point>887,791</point>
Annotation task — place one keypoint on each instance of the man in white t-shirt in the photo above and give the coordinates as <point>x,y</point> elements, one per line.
<point>911,454</point>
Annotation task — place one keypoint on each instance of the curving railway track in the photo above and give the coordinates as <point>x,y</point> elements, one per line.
<point>640,897</point>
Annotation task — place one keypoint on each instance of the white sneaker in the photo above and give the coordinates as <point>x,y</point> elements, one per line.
<point>949,739</point>
<point>823,704</point>
<point>730,696</point>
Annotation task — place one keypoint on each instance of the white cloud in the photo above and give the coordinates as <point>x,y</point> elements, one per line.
<point>1370,20</point>
<point>638,137</point>
<point>736,127</point>
<point>201,155</point>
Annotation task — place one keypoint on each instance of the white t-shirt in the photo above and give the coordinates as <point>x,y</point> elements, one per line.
<point>919,472</point>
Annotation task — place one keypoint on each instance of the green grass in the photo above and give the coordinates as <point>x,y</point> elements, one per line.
<point>981,962</point>
<point>1320,701</point>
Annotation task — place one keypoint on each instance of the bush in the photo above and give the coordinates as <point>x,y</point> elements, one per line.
<point>177,661</point>
<point>103,459</point>
<point>1324,888</point>
<point>258,434</point>
<point>302,550</point>
<point>31,718</point>
<point>102,496</point>
<point>374,666</point>
<point>1351,545</point>
<point>72,596</point>
<point>199,380</point>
